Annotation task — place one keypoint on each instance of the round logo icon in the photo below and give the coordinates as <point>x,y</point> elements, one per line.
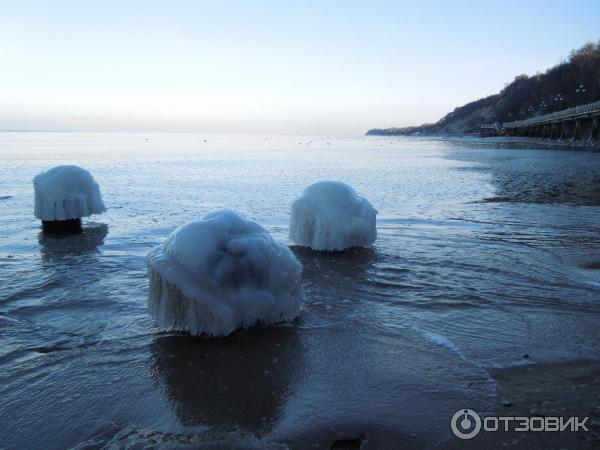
<point>465,424</point>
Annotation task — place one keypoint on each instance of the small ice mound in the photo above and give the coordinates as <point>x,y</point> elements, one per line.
<point>330,215</point>
<point>66,193</point>
<point>220,273</point>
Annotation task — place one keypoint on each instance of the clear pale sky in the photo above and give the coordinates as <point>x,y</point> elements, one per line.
<point>318,67</point>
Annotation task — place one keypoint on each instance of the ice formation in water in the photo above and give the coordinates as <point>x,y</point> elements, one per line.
<point>65,193</point>
<point>330,215</point>
<point>221,273</point>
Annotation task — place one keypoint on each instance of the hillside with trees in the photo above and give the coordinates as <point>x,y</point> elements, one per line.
<point>573,82</point>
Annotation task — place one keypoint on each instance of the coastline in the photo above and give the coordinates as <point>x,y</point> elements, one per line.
<point>508,140</point>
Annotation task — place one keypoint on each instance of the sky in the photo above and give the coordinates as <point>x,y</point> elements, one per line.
<point>305,67</point>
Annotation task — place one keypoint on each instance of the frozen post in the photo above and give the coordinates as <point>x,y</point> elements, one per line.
<point>63,195</point>
<point>220,273</point>
<point>331,216</point>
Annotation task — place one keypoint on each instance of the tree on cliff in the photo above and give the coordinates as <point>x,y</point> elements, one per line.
<point>573,82</point>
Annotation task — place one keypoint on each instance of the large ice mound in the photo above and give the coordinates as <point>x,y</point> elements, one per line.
<point>66,192</point>
<point>330,215</point>
<point>221,273</point>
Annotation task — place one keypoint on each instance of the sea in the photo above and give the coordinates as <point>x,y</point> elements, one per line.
<point>487,256</point>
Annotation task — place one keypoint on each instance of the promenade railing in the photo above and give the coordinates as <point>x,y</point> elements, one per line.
<point>569,113</point>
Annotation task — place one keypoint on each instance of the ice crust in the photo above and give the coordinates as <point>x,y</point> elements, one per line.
<point>220,273</point>
<point>66,192</point>
<point>331,216</point>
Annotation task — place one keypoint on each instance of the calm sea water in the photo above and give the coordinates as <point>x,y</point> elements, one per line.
<point>487,251</point>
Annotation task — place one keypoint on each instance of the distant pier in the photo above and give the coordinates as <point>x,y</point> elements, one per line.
<point>580,123</point>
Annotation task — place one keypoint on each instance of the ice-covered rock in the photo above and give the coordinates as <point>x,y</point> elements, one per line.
<point>221,273</point>
<point>330,215</point>
<point>65,193</point>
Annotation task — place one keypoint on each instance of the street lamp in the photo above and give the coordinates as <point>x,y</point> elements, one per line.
<point>559,98</point>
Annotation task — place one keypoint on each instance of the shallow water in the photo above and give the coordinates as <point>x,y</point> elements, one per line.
<point>487,251</point>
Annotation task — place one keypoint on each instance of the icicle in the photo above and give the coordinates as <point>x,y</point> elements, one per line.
<point>221,273</point>
<point>331,216</point>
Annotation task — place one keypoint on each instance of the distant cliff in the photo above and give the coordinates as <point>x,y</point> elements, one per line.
<point>570,83</point>
<point>398,131</point>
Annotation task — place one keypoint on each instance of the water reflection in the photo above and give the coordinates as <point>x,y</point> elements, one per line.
<point>535,175</point>
<point>241,381</point>
<point>57,245</point>
<point>350,263</point>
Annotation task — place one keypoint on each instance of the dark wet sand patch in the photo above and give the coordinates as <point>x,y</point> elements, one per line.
<point>349,437</point>
<point>498,200</point>
<point>544,390</point>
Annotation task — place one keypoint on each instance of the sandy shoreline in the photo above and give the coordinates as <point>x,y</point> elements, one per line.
<point>547,389</point>
<point>567,389</point>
